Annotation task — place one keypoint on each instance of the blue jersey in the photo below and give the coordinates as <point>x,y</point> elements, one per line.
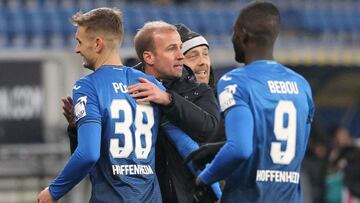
<point>125,171</point>
<point>281,106</point>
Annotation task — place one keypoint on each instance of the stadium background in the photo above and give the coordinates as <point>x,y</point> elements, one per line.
<point>319,38</point>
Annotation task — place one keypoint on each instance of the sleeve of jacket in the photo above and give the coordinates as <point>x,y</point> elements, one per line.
<point>199,118</point>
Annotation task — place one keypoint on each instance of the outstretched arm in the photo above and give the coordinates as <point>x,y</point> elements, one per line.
<point>239,145</point>
<point>201,116</point>
<point>81,162</point>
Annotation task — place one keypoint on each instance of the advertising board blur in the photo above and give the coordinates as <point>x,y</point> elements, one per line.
<point>21,102</point>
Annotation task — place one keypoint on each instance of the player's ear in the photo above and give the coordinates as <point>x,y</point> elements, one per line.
<point>244,36</point>
<point>149,57</point>
<point>99,44</point>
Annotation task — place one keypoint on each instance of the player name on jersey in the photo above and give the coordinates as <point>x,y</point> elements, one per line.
<point>283,87</point>
<point>277,176</point>
<point>132,170</point>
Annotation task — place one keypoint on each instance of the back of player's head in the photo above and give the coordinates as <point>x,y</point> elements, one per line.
<point>144,38</point>
<point>104,21</point>
<point>261,21</point>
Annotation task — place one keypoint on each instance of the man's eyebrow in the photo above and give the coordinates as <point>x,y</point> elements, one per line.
<point>171,46</point>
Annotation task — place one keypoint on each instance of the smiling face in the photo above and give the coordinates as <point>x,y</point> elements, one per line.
<point>167,56</point>
<point>86,47</point>
<point>199,61</point>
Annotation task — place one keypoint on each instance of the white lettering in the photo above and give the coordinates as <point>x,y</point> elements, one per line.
<point>283,87</point>
<point>132,170</point>
<point>278,176</point>
<point>119,86</point>
<point>271,86</point>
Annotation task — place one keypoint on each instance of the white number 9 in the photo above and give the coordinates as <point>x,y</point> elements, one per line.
<point>282,133</point>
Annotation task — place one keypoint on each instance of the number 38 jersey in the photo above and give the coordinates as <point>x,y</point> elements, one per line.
<point>281,103</point>
<point>125,171</point>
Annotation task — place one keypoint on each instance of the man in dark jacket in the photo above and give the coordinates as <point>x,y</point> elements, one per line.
<point>189,105</point>
<point>193,108</point>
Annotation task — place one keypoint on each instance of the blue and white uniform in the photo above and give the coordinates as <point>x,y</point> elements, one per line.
<point>268,110</point>
<point>116,139</point>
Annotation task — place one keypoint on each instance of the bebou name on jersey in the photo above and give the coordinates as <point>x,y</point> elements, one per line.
<point>283,87</point>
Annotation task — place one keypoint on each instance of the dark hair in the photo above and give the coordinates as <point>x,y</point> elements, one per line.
<point>261,20</point>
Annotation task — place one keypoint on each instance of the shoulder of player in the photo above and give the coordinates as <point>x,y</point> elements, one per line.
<point>238,76</point>
<point>299,77</point>
<point>135,74</point>
<point>83,81</point>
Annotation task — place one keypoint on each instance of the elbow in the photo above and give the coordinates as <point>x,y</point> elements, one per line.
<point>245,153</point>
<point>90,158</point>
<point>211,127</point>
<point>242,154</point>
<point>93,158</point>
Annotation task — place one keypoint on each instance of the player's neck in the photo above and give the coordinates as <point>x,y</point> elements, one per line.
<point>263,54</point>
<point>113,58</point>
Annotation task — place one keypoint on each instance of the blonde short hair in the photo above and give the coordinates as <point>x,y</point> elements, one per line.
<point>144,38</point>
<point>102,20</point>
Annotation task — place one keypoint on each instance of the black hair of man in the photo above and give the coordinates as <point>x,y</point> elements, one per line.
<point>257,26</point>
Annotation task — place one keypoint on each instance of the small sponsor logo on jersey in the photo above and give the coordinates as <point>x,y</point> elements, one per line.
<point>79,109</point>
<point>226,97</point>
<point>225,78</point>
<point>76,87</point>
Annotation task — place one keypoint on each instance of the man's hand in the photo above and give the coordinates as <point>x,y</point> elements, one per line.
<point>45,196</point>
<point>68,109</point>
<point>202,191</point>
<point>146,91</point>
<point>205,154</point>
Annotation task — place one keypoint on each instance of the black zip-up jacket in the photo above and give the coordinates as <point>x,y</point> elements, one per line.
<point>194,110</point>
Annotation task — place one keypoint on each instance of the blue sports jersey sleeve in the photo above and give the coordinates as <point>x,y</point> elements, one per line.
<point>81,162</point>
<point>86,105</point>
<point>238,146</point>
<point>87,153</point>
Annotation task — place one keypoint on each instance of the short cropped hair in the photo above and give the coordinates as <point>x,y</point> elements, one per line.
<point>144,38</point>
<point>107,21</point>
<point>261,20</point>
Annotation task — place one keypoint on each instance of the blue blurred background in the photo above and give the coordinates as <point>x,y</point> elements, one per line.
<point>319,39</point>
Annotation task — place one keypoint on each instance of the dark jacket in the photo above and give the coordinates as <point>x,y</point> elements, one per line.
<point>196,112</point>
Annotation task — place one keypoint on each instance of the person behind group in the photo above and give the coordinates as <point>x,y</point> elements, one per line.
<point>342,179</point>
<point>268,111</point>
<point>193,108</point>
<point>196,51</point>
<point>108,120</point>
<point>196,54</point>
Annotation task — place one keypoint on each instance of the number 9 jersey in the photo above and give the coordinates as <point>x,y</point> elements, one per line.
<point>281,104</point>
<point>125,171</point>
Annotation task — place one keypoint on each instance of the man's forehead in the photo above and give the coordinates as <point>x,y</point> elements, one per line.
<point>167,38</point>
<point>198,48</point>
